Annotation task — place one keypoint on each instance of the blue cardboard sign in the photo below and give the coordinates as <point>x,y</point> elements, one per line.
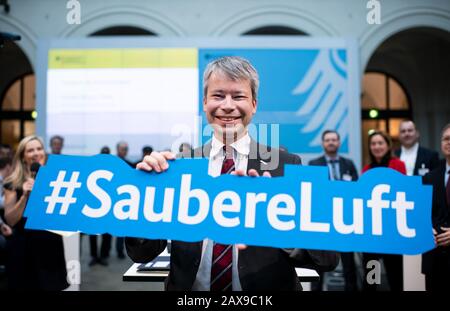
<point>383,212</point>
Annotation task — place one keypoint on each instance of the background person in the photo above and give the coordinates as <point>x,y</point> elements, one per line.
<point>230,100</point>
<point>146,150</point>
<point>436,263</point>
<point>5,230</point>
<point>418,160</point>
<point>122,152</point>
<point>380,151</point>
<point>56,144</point>
<point>105,247</point>
<point>35,258</point>
<point>339,168</point>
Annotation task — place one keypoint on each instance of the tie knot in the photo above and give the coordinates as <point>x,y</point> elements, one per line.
<point>332,161</point>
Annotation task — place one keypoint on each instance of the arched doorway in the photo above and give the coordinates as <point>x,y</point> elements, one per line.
<point>384,103</point>
<point>275,30</point>
<point>17,95</point>
<point>123,30</point>
<point>418,59</point>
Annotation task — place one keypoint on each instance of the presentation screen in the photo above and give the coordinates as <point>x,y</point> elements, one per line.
<point>96,92</point>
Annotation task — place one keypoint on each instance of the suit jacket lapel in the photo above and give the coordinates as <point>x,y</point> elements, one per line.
<point>419,160</point>
<point>440,186</point>
<point>323,161</point>
<point>342,167</point>
<point>253,157</point>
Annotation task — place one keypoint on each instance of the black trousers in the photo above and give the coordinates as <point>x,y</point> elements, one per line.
<point>349,267</point>
<point>349,271</point>
<point>120,245</point>
<point>104,248</point>
<point>439,277</point>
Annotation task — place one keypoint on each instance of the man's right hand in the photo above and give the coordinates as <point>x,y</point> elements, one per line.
<point>156,161</point>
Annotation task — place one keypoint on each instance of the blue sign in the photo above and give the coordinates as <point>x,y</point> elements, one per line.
<point>383,212</point>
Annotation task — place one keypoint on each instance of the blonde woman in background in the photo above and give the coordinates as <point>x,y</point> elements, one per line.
<point>35,258</point>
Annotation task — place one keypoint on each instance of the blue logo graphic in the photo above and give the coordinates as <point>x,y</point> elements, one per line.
<point>305,91</point>
<point>383,212</point>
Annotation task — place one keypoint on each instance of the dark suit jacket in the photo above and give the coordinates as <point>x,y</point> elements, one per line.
<point>346,166</point>
<point>440,211</point>
<point>260,268</point>
<point>425,156</point>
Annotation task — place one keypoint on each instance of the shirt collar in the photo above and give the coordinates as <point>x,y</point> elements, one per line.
<point>242,146</point>
<point>447,167</point>
<point>328,159</point>
<point>411,150</point>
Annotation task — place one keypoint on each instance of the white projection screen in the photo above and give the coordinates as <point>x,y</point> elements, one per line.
<point>96,96</point>
<point>96,92</point>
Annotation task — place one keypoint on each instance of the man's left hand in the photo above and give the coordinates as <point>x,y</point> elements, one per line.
<point>443,239</point>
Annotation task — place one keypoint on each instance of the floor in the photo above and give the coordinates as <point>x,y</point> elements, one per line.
<point>109,278</point>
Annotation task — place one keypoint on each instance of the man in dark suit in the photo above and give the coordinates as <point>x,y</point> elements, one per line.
<point>340,168</point>
<point>436,263</point>
<point>230,90</point>
<point>418,160</point>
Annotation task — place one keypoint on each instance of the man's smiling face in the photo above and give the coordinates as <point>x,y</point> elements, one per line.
<point>229,106</point>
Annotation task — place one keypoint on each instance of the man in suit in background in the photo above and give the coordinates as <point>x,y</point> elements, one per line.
<point>436,263</point>
<point>339,168</point>
<point>230,86</point>
<point>418,160</point>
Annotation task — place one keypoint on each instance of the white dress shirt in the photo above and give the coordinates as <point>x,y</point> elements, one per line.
<point>241,150</point>
<point>409,156</point>
<point>446,176</point>
<point>336,167</point>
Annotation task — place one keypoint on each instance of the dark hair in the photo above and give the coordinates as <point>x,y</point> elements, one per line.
<point>4,161</point>
<point>56,137</point>
<point>385,160</point>
<point>446,127</point>
<point>147,149</point>
<point>330,131</point>
<point>105,150</point>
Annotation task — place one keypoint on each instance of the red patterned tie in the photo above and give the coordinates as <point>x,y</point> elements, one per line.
<point>221,268</point>
<point>228,162</point>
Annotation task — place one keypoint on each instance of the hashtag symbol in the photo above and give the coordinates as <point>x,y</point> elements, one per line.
<point>67,198</point>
